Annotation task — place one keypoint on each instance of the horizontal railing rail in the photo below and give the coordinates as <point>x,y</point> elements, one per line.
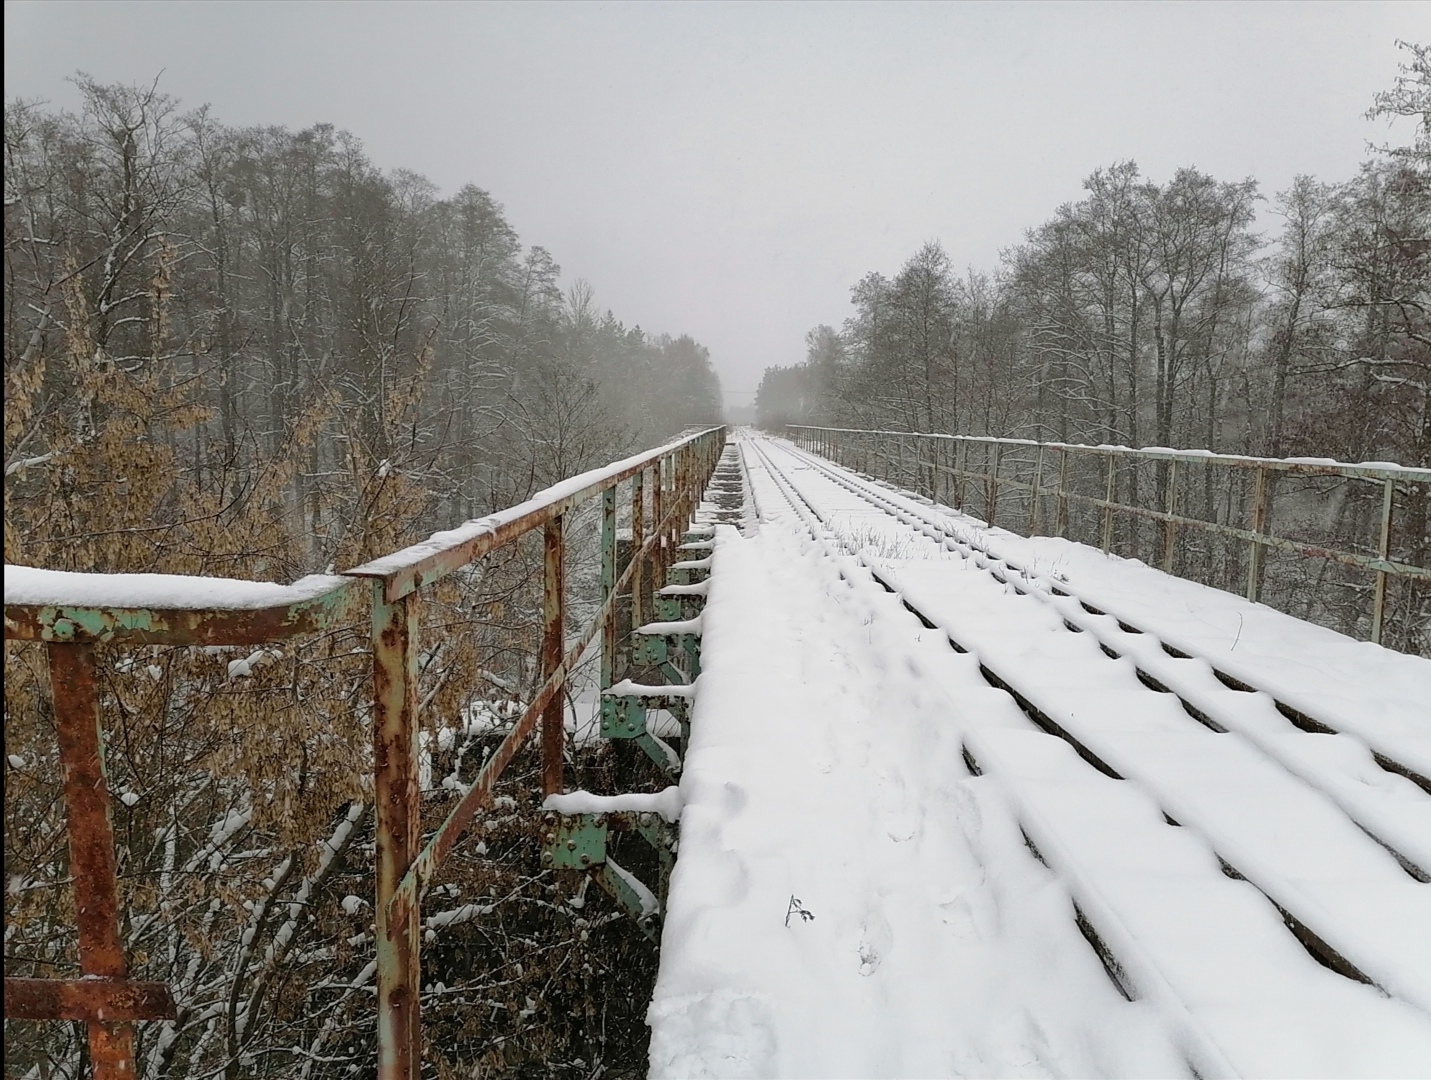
<point>73,613</point>
<point>943,465</point>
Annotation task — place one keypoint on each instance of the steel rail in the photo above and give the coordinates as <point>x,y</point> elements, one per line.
<point>968,544</point>
<point>1302,922</point>
<point>72,620</point>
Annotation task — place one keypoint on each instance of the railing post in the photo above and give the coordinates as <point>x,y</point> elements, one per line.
<point>941,473</point>
<point>933,462</point>
<point>673,507</point>
<point>1034,493</point>
<point>991,485</point>
<point>553,645</point>
<point>638,540</point>
<point>1383,550</point>
<point>91,841</point>
<point>658,508</point>
<point>1060,523</point>
<point>961,461</point>
<point>1170,530</point>
<point>1108,503</point>
<point>399,827</point>
<point>608,584</point>
<point>1259,526</point>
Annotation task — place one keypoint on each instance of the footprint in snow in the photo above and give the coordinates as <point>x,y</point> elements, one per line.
<point>901,818</point>
<point>876,942</point>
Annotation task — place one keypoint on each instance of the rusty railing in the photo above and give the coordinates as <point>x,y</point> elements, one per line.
<point>82,611</point>
<point>1013,481</point>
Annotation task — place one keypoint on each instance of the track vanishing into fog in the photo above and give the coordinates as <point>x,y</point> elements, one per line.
<point>1291,822</point>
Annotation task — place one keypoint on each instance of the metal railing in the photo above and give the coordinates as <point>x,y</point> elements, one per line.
<point>664,487</point>
<point>1013,481</point>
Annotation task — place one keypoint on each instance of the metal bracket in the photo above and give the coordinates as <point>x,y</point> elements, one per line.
<point>620,888</point>
<point>649,650</point>
<point>687,575</point>
<point>679,607</point>
<point>622,717</point>
<point>661,835</point>
<point>577,842</point>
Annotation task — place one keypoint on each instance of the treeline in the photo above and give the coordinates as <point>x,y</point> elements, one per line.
<point>251,353</point>
<point>291,304</point>
<point>1152,313</point>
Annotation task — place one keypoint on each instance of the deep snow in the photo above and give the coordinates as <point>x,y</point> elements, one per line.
<point>829,775</point>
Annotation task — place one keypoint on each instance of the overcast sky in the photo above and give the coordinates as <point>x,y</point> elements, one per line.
<point>730,170</point>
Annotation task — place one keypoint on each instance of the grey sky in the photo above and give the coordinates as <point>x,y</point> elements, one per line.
<point>729,170</point>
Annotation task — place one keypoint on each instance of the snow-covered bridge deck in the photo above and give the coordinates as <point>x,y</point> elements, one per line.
<point>963,803</point>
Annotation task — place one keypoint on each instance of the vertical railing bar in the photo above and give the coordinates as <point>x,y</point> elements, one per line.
<point>638,539</point>
<point>91,841</point>
<point>1060,525</point>
<point>942,470</point>
<point>1035,493</point>
<point>1108,504</point>
<point>608,584</point>
<point>1259,526</point>
<point>398,831</point>
<point>961,460</point>
<point>991,486</point>
<point>933,441</point>
<point>1383,549</point>
<point>658,541</point>
<point>1170,529</point>
<point>553,646</point>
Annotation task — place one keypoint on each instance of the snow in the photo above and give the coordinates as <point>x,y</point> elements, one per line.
<point>698,588</point>
<point>667,803</point>
<point>647,898</point>
<point>844,757</point>
<point>242,669</point>
<point>32,587</point>
<point>669,629</point>
<point>835,776</point>
<point>627,688</point>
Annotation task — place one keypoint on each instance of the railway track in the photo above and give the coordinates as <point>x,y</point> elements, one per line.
<point>1319,835</point>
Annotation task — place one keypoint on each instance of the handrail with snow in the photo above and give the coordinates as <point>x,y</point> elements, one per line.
<point>941,463</point>
<point>72,613</point>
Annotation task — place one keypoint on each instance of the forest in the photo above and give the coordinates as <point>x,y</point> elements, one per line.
<point>1156,312</point>
<point>252,353</point>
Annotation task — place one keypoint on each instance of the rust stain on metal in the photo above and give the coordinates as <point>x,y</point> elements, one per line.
<point>91,840</point>
<point>398,830</point>
<point>105,998</point>
<point>428,566</point>
<point>97,999</point>
<point>479,794</point>
<point>183,626</point>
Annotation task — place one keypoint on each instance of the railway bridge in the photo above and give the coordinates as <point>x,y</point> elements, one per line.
<point>946,797</point>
